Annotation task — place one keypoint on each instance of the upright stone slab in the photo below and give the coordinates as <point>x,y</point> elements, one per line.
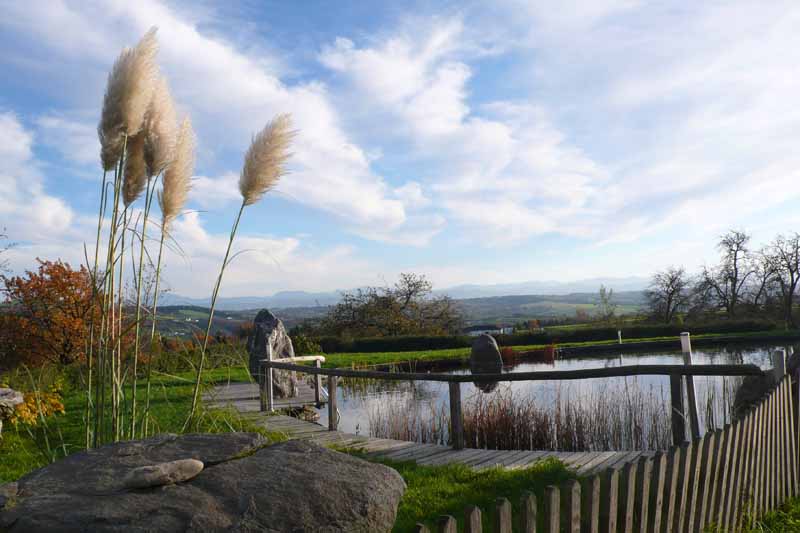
<point>485,359</point>
<point>268,331</point>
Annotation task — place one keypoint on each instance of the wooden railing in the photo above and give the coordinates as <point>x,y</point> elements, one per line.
<point>456,415</point>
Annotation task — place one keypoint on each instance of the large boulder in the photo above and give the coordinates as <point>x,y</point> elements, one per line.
<point>269,333</point>
<point>485,359</point>
<point>244,485</point>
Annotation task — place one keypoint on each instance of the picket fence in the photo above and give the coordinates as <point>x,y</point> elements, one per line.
<point>718,482</point>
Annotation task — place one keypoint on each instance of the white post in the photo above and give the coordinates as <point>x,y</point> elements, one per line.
<point>779,364</point>
<point>619,335</point>
<point>691,394</point>
<point>270,392</point>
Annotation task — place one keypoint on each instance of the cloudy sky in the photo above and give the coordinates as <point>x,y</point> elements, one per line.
<point>474,144</point>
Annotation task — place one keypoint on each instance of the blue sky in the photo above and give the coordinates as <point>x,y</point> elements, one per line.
<point>472,142</point>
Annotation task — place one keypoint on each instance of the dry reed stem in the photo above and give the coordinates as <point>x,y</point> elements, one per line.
<point>265,160</point>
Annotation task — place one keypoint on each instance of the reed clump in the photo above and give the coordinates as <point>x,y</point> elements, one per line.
<point>142,142</point>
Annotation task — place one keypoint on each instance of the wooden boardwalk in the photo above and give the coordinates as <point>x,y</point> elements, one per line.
<point>244,398</point>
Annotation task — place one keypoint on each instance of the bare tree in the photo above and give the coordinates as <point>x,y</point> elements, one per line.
<point>5,247</point>
<point>762,280</point>
<point>668,293</point>
<point>785,258</point>
<point>606,305</point>
<point>726,282</point>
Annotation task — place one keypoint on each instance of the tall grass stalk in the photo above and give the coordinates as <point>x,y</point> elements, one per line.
<point>90,349</point>
<point>264,163</point>
<point>151,183</point>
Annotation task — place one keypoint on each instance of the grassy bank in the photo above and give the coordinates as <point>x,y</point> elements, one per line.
<point>436,490</point>
<point>24,448</point>
<point>379,358</point>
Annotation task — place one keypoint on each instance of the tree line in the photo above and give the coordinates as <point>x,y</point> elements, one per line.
<point>743,282</point>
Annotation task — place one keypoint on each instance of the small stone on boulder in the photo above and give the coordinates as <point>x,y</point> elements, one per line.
<point>162,474</point>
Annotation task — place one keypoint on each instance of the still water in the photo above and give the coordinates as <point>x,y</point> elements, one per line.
<point>357,399</point>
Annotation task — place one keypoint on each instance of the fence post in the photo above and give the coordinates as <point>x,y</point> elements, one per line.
<point>678,417</point>
<point>472,520</point>
<point>552,517</point>
<point>333,423</point>
<point>447,524</point>
<point>779,364</point>
<point>261,379</point>
<point>456,416</point>
<point>268,382</point>
<point>318,384</point>
<point>527,519</point>
<point>691,393</point>
<point>502,516</point>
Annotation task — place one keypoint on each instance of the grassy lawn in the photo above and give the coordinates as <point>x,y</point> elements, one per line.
<point>437,490</point>
<point>785,519</point>
<point>376,358</point>
<point>24,448</point>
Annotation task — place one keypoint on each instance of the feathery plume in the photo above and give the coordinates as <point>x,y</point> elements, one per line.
<point>160,129</point>
<point>135,176</point>
<point>266,158</point>
<point>128,93</point>
<point>178,176</point>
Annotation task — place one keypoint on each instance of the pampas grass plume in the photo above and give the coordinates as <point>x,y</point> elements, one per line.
<point>135,177</point>
<point>128,94</point>
<point>160,129</point>
<point>265,160</point>
<point>178,176</point>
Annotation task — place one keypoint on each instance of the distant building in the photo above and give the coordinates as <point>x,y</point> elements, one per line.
<point>491,329</point>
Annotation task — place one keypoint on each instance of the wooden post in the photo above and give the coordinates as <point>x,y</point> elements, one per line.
<point>527,519</point>
<point>779,364</point>
<point>421,528</point>
<point>552,516</point>
<point>261,379</point>
<point>456,417</point>
<point>502,516</point>
<point>678,417</point>
<point>447,524</point>
<point>573,506</point>
<point>472,520</point>
<point>318,384</point>
<point>691,393</point>
<point>268,382</point>
<point>332,413</point>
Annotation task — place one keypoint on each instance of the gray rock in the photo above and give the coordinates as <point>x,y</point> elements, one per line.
<point>162,474</point>
<point>8,493</point>
<point>485,359</point>
<point>268,331</point>
<point>9,399</point>
<point>291,486</point>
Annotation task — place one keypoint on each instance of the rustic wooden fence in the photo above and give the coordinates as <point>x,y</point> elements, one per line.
<point>717,482</point>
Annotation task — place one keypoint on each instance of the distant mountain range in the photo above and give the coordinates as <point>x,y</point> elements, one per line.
<point>291,299</point>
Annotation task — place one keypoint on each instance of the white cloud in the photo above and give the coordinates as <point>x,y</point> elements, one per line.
<point>412,195</point>
<point>76,140</point>
<point>209,192</point>
<point>27,210</point>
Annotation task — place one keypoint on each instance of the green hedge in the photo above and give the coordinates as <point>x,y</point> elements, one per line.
<point>560,335</point>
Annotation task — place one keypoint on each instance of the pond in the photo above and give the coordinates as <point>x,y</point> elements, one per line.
<point>587,414</point>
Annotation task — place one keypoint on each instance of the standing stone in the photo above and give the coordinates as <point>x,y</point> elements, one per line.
<point>269,333</point>
<point>485,359</point>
